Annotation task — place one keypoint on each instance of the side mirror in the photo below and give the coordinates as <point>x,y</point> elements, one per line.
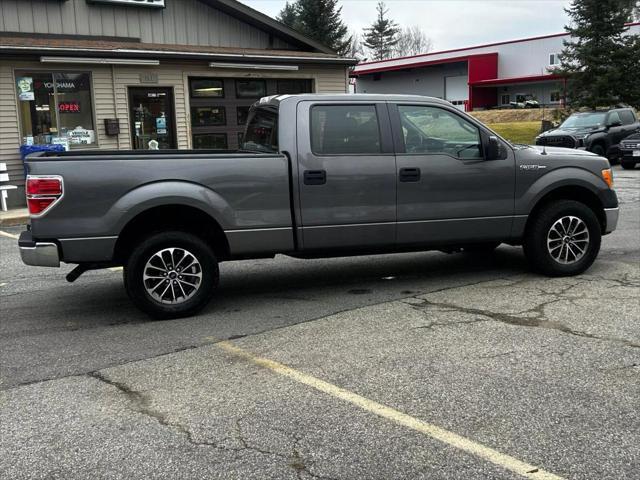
<point>492,150</point>
<point>614,123</point>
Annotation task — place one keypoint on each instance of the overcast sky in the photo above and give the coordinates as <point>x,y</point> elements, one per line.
<point>454,23</point>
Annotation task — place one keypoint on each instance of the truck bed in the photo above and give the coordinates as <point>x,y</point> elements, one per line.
<point>104,190</point>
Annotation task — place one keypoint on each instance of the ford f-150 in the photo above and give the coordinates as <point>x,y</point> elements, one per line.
<point>317,176</point>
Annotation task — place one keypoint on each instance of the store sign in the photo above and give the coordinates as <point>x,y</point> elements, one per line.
<point>137,3</point>
<point>147,77</point>
<point>69,107</point>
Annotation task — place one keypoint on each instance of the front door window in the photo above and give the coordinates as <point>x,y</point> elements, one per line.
<point>152,118</point>
<point>434,131</point>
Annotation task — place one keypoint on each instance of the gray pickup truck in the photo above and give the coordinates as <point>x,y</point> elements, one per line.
<point>317,176</point>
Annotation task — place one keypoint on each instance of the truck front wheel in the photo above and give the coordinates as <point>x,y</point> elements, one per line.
<point>563,239</point>
<point>171,274</point>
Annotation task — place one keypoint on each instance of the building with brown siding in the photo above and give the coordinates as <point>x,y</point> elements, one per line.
<point>119,74</point>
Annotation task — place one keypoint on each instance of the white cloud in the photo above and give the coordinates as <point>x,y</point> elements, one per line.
<point>454,23</point>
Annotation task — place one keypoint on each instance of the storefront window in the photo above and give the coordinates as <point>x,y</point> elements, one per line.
<point>56,108</point>
<point>251,88</point>
<point>294,86</point>
<point>208,116</point>
<point>210,141</point>
<point>243,114</point>
<point>206,88</point>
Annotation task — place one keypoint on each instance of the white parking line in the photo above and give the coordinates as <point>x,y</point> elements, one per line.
<point>453,439</point>
<point>8,235</point>
<point>115,269</point>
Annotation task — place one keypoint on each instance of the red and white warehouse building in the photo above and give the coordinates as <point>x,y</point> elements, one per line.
<point>477,77</point>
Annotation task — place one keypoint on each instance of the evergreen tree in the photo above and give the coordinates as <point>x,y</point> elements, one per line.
<point>382,36</point>
<point>602,65</point>
<point>289,15</point>
<point>320,20</point>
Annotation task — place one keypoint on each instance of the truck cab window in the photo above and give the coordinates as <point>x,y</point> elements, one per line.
<point>431,130</point>
<point>344,130</point>
<point>626,116</point>
<point>261,134</point>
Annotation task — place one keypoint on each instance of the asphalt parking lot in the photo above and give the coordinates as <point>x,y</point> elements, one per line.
<point>421,365</point>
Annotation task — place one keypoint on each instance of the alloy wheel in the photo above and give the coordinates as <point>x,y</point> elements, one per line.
<point>172,276</point>
<point>568,240</point>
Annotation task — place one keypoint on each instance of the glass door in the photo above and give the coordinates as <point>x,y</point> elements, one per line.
<point>152,118</point>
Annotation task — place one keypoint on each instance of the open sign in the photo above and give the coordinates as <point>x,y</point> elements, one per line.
<point>69,107</point>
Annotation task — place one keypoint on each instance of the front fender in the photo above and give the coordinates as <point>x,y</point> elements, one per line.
<point>164,193</point>
<point>558,178</point>
<point>599,137</point>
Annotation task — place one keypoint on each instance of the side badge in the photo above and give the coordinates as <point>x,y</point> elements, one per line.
<point>532,167</point>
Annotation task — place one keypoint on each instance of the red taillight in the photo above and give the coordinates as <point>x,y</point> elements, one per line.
<point>44,186</point>
<point>42,193</point>
<point>39,205</point>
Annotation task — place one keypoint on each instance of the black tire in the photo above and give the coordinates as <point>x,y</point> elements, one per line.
<point>481,248</point>
<point>535,241</point>
<point>143,252</point>
<point>628,165</point>
<point>598,149</point>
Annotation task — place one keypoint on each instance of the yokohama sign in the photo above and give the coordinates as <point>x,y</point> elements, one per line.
<point>138,3</point>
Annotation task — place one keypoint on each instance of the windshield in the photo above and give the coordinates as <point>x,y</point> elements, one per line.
<point>582,120</point>
<point>261,134</point>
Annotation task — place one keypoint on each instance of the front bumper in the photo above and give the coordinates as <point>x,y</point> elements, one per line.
<point>611,215</point>
<point>627,155</point>
<point>38,254</point>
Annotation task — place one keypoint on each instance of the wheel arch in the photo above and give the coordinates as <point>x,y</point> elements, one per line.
<point>167,217</point>
<point>578,193</point>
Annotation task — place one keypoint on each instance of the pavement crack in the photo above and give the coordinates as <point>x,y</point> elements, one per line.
<point>432,325</point>
<point>538,321</point>
<point>141,403</point>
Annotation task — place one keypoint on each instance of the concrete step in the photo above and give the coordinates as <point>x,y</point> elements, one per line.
<point>14,216</point>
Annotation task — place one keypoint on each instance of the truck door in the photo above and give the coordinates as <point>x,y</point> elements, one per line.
<point>616,129</point>
<point>447,191</point>
<point>346,175</point>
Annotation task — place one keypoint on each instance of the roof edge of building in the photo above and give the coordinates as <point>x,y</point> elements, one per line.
<point>251,15</point>
<point>462,49</point>
<point>168,53</point>
<point>427,63</point>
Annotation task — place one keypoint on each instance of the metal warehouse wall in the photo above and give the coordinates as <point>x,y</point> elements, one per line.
<point>182,22</point>
<point>428,81</point>
<point>516,59</point>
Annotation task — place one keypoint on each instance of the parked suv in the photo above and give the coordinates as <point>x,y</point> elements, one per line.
<point>599,131</point>
<point>630,151</point>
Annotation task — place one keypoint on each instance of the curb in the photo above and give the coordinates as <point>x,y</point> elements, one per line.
<point>9,219</point>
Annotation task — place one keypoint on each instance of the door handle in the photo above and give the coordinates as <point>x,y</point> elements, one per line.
<point>315,177</point>
<point>409,175</point>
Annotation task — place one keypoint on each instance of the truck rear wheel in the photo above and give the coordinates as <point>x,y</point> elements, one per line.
<point>563,239</point>
<point>171,274</point>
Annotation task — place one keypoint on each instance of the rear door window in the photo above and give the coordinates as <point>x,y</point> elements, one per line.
<point>345,130</point>
<point>261,134</point>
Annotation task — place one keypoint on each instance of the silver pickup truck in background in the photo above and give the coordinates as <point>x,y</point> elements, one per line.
<point>317,176</point>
